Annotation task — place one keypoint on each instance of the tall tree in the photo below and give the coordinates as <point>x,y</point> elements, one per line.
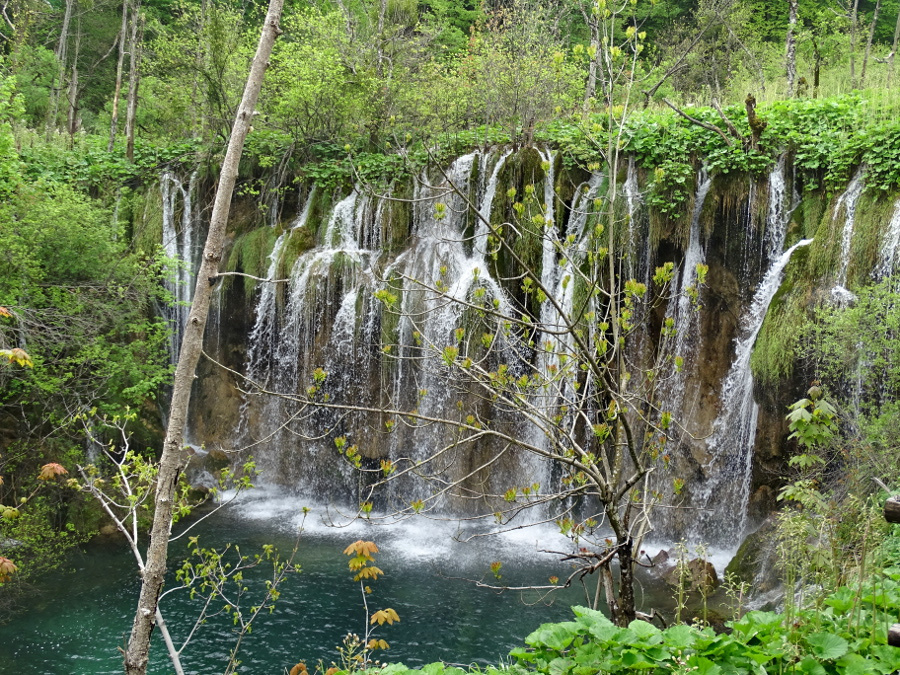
<point>894,45</point>
<point>791,48</point>
<point>120,64</point>
<point>61,57</point>
<point>174,457</point>
<point>134,76</point>
<point>869,40</point>
<point>854,32</point>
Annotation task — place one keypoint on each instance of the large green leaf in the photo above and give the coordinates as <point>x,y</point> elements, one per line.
<point>809,666</point>
<point>854,664</point>
<point>554,635</point>
<point>680,636</point>
<point>645,632</point>
<point>827,645</point>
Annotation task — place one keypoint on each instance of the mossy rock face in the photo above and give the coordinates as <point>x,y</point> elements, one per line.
<point>397,218</point>
<point>873,214</point>
<point>250,255</point>
<point>775,352</point>
<point>147,223</point>
<point>297,242</point>
<point>753,562</point>
<point>517,208</point>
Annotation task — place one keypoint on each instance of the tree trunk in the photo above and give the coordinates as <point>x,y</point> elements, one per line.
<point>854,14</point>
<point>895,45</point>
<point>120,65</point>
<point>862,75</point>
<point>626,583</point>
<point>379,40</point>
<point>791,49</point>
<point>590,88</point>
<point>61,56</point>
<point>134,77</point>
<point>817,67</point>
<point>72,100</point>
<point>173,455</point>
<point>72,91</point>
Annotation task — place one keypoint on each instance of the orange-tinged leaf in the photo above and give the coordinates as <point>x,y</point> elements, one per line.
<point>17,355</point>
<point>361,548</point>
<point>51,471</point>
<point>383,616</point>
<point>299,669</point>
<point>7,569</point>
<point>370,572</point>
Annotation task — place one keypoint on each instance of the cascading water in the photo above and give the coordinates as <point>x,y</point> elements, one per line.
<point>179,243</point>
<point>633,201</point>
<point>727,489</point>
<point>727,492</point>
<point>330,321</point>
<point>890,246</point>
<point>684,344</point>
<point>731,445</point>
<point>487,202</point>
<point>847,202</point>
<point>327,318</point>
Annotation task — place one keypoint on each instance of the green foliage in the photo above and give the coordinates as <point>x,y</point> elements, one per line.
<point>250,255</point>
<point>853,349</point>
<point>10,109</point>
<point>847,637</point>
<point>811,421</point>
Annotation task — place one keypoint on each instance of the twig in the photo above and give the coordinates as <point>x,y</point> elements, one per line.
<point>693,120</point>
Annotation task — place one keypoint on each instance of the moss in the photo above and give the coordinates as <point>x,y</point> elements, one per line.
<point>517,205</point>
<point>397,218</point>
<point>318,211</point>
<point>872,217</point>
<point>775,352</point>
<point>250,255</point>
<point>147,224</point>
<point>808,214</point>
<point>297,242</point>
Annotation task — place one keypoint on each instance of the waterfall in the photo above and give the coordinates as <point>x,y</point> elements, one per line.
<point>687,323</point>
<point>179,244</point>
<point>264,335</point>
<point>848,201</point>
<point>890,246</point>
<point>777,217</point>
<point>487,202</point>
<point>727,490</point>
<point>632,202</point>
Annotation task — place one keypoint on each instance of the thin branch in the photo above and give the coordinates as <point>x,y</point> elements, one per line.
<point>693,120</point>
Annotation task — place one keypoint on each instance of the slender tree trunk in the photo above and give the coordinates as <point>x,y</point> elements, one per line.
<point>895,45</point>
<point>817,67</point>
<point>61,56</point>
<point>174,457</point>
<point>379,39</point>
<point>791,49</point>
<point>198,116</point>
<point>120,65</point>
<point>72,91</point>
<point>854,14</point>
<point>594,65</point>
<point>862,75</point>
<point>134,77</point>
